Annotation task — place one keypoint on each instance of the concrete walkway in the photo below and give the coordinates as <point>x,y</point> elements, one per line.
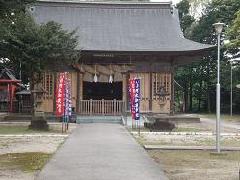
<point>101,152</point>
<point>225,125</point>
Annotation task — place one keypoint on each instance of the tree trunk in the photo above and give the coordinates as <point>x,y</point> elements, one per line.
<point>190,95</point>
<point>208,100</point>
<point>32,96</point>
<point>186,98</point>
<point>208,90</point>
<point>200,97</point>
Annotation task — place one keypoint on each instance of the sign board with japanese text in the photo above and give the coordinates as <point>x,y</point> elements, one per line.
<point>134,93</point>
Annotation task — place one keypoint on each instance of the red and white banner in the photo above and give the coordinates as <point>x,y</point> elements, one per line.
<point>137,99</point>
<point>134,93</point>
<point>68,98</point>
<point>60,93</point>
<point>131,94</point>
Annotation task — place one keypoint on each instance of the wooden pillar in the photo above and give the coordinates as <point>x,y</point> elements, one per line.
<point>126,88</point>
<point>124,92</point>
<point>79,90</point>
<point>150,93</point>
<point>81,87</point>
<point>91,106</point>
<point>114,107</point>
<point>54,90</point>
<point>103,109</point>
<point>78,95</point>
<point>172,107</point>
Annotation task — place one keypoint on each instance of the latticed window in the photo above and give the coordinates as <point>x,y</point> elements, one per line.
<point>161,83</point>
<point>48,83</point>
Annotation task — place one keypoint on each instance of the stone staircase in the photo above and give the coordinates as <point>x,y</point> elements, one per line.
<point>99,119</point>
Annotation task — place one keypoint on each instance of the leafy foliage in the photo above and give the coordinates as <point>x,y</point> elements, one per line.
<point>10,7</point>
<point>199,79</point>
<point>36,46</point>
<point>234,36</point>
<point>185,18</point>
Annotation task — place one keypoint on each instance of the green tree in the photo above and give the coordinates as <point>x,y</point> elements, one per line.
<point>37,47</point>
<point>11,6</point>
<point>184,75</point>
<point>201,30</point>
<point>234,36</point>
<point>9,10</point>
<point>186,19</point>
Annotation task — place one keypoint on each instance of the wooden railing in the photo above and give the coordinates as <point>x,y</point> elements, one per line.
<point>101,107</point>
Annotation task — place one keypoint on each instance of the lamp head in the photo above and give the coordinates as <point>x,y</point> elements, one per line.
<point>218,27</point>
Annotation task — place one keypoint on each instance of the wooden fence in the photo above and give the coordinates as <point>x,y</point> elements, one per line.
<point>101,107</point>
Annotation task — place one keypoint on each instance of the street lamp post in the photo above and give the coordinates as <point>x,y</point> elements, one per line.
<point>231,95</point>
<point>218,28</point>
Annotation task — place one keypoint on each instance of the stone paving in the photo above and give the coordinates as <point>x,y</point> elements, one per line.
<point>101,152</point>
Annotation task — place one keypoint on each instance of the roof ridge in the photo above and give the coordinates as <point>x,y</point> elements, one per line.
<point>108,2</point>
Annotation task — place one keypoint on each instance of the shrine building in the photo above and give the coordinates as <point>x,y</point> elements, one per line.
<point>119,41</point>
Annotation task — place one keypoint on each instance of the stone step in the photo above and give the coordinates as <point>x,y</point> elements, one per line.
<point>18,117</point>
<point>2,116</point>
<point>98,119</point>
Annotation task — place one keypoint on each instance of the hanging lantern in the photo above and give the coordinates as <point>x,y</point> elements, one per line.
<point>111,78</point>
<point>95,78</point>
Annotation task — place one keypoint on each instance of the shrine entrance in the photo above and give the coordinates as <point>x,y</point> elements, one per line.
<point>102,98</point>
<point>102,90</point>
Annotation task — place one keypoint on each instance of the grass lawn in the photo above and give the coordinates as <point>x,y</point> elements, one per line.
<point>187,129</point>
<point>26,162</point>
<point>17,129</point>
<point>198,165</point>
<point>225,117</point>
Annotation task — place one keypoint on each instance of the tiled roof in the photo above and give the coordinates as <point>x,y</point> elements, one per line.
<point>128,27</point>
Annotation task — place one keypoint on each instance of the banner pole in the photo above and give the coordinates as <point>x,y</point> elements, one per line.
<point>65,100</point>
<point>62,124</point>
<point>139,127</point>
<point>67,123</point>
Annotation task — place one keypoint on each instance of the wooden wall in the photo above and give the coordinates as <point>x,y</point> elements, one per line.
<point>49,83</point>
<point>150,84</point>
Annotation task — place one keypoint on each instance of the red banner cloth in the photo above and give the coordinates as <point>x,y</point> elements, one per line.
<point>60,95</point>
<point>132,95</point>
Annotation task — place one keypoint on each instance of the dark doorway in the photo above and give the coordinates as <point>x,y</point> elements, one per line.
<point>102,90</point>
